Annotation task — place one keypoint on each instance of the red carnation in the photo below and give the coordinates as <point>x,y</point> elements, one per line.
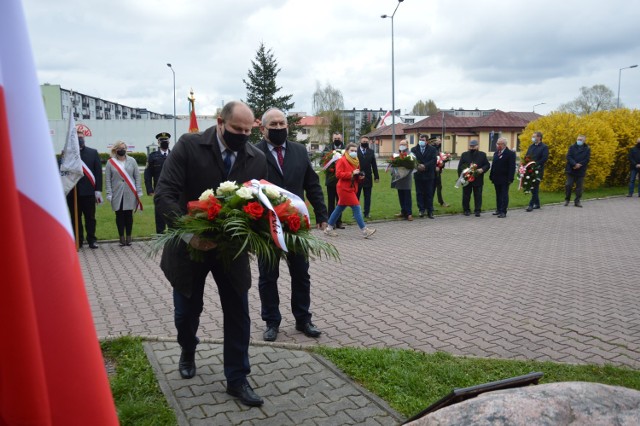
<point>214,208</point>
<point>293,222</point>
<point>471,179</point>
<point>254,209</point>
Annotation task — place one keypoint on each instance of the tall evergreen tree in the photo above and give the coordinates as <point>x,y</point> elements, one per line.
<point>262,90</point>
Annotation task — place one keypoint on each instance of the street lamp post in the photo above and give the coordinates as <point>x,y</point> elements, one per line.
<point>619,76</point>
<point>534,107</point>
<point>393,84</point>
<point>175,136</point>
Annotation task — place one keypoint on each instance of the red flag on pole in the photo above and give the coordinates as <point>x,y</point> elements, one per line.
<point>51,367</point>
<point>193,123</point>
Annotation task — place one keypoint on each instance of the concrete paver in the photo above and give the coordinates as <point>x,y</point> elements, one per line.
<point>556,284</point>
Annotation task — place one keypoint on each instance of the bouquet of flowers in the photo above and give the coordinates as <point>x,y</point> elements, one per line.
<point>328,163</point>
<point>529,174</point>
<point>443,158</point>
<point>467,176</point>
<point>401,165</point>
<point>257,217</point>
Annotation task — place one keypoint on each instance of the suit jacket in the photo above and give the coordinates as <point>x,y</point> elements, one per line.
<point>369,166</point>
<point>540,154</point>
<point>428,159</point>
<point>477,157</point>
<point>118,192</point>
<point>578,154</point>
<point>503,168</point>
<point>298,177</point>
<point>152,171</point>
<point>91,158</point>
<point>195,165</point>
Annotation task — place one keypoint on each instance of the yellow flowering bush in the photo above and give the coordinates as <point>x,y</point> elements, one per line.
<point>626,126</point>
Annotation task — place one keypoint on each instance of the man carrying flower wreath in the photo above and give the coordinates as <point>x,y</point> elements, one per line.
<point>200,161</point>
<point>479,158</point>
<point>289,168</point>
<point>538,152</point>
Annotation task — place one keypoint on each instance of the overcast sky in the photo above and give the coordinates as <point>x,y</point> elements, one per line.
<point>508,54</point>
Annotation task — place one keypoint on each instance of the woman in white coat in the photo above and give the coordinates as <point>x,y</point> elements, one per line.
<point>124,189</point>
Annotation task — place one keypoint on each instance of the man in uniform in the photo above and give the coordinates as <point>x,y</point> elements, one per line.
<point>152,172</point>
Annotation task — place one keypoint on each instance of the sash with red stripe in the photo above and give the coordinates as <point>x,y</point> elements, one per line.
<point>128,181</point>
<point>89,174</point>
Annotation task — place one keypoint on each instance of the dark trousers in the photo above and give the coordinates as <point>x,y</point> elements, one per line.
<point>236,321</point>
<point>367,199</point>
<point>424,195</point>
<point>437,182</point>
<point>332,201</point>
<point>535,190</point>
<point>404,197</point>
<point>300,290</point>
<point>502,197</point>
<point>160,222</point>
<point>568,186</point>
<point>86,208</point>
<point>477,198</point>
<point>124,222</point>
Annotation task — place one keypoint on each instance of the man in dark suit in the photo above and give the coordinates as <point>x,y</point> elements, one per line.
<point>437,143</point>
<point>538,152</point>
<point>578,158</point>
<point>330,181</point>
<point>503,169</point>
<point>289,168</point>
<point>425,174</point>
<point>368,165</point>
<point>88,194</point>
<point>199,161</point>
<point>479,158</point>
<point>152,173</point>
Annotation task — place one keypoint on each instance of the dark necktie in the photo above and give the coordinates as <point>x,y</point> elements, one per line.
<point>364,151</point>
<point>227,162</point>
<point>280,157</point>
<point>164,154</point>
<point>422,150</point>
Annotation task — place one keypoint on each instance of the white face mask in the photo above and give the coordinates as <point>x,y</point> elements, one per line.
<point>353,154</point>
<point>403,147</point>
<point>533,140</point>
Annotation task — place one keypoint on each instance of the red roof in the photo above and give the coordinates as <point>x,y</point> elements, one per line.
<point>310,121</point>
<point>529,116</point>
<point>496,120</point>
<point>387,131</point>
<point>501,120</point>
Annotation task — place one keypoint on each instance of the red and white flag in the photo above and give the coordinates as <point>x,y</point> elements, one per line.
<point>193,122</point>
<point>51,367</point>
<point>382,123</point>
<point>71,165</point>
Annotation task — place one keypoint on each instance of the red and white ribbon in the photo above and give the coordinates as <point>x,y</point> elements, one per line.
<point>127,180</point>
<point>89,174</point>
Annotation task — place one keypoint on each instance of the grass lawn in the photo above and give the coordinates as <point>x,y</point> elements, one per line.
<point>384,204</point>
<point>407,380</point>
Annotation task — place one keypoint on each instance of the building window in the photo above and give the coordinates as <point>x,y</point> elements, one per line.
<point>493,138</point>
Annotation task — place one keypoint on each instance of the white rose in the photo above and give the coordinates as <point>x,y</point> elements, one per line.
<point>244,192</point>
<point>227,188</point>
<point>206,194</point>
<point>271,192</point>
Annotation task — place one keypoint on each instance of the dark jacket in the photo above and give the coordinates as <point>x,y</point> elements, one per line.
<point>428,159</point>
<point>634,156</point>
<point>299,176</point>
<point>477,157</point>
<point>152,171</point>
<point>91,158</point>
<point>578,154</point>
<point>369,166</point>
<point>195,165</point>
<point>503,168</point>
<point>540,154</point>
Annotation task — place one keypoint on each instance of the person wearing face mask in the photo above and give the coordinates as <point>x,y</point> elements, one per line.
<point>369,167</point>
<point>578,158</point>
<point>349,177</point>
<point>88,192</point>
<point>289,168</point>
<point>634,160</point>
<point>538,152</point>
<point>436,143</point>
<point>479,158</point>
<point>403,186</point>
<point>124,189</point>
<point>425,174</point>
<point>330,181</point>
<point>201,161</point>
<point>152,172</point>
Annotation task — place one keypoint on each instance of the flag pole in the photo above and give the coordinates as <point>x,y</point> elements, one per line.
<point>75,216</point>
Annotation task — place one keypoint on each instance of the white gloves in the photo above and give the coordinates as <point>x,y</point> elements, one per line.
<point>98,197</point>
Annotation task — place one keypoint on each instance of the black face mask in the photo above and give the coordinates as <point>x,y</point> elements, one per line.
<point>277,136</point>
<point>121,152</point>
<point>337,143</point>
<point>164,145</point>
<point>234,141</point>
<point>364,145</point>
<point>81,142</point>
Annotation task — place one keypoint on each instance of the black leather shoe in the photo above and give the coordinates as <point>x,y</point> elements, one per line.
<point>578,204</point>
<point>270,334</point>
<point>339,226</point>
<point>536,207</point>
<point>93,245</point>
<point>187,364</point>
<point>421,213</point>
<point>495,213</point>
<point>529,209</point>
<point>566,203</point>
<point>502,216</point>
<point>477,214</point>
<point>467,213</point>
<point>430,215</point>
<point>308,329</point>
<point>245,394</point>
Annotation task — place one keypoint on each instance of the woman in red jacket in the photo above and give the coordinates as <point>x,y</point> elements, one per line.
<point>349,176</point>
